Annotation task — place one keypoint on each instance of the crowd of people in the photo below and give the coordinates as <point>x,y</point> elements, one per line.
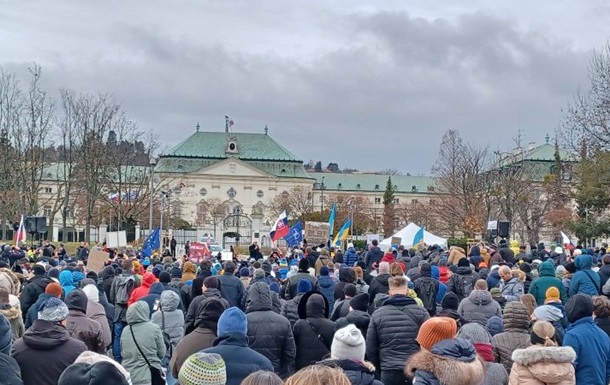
<point>316,316</point>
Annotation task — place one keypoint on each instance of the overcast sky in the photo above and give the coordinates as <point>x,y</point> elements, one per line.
<point>368,84</point>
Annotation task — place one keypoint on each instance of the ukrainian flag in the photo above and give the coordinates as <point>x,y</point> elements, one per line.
<point>343,233</point>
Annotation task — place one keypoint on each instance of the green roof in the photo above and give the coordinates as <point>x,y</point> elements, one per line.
<point>130,174</point>
<point>374,182</point>
<point>213,145</point>
<point>547,152</point>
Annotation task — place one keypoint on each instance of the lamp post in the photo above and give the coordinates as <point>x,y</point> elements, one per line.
<point>164,196</point>
<point>152,164</point>
<point>322,197</point>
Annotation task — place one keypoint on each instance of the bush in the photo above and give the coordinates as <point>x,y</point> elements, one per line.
<point>359,244</point>
<point>461,242</point>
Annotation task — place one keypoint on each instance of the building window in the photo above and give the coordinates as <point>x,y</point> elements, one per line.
<point>322,198</point>
<point>47,211</point>
<point>231,193</point>
<point>377,200</point>
<point>69,213</point>
<point>48,190</point>
<point>260,193</point>
<point>414,201</point>
<point>203,192</point>
<point>396,200</point>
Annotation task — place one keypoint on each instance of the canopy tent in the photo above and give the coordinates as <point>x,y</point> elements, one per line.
<point>407,234</point>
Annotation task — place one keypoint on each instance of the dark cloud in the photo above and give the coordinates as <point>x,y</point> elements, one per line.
<point>381,99</point>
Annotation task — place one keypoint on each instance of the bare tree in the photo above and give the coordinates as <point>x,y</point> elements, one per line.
<point>297,202</point>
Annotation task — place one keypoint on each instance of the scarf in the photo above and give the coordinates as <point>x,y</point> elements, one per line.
<point>484,351</point>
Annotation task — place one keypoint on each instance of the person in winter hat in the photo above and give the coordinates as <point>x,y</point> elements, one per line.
<point>462,282</point>
<point>139,292</point>
<point>232,346</point>
<point>347,352</point>
<point>496,294</point>
<point>358,314</point>
<point>480,338</point>
<point>11,374</point>
<point>515,335</point>
<point>96,312</point>
<point>591,344</point>
<point>203,369</point>
<point>53,289</point>
<point>449,361</point>
<point>585,280</point>
<point>313,332</point>
<point>101,373</point>
<point>546,280</point>
<point>80,326</point>
<point>66,281</point>
<point>12,312</point>
<point>92,358</point>
<point>544,362</point>
<point>6,337</point>
<point>327,285</point>
<point>554,316</point>
<point>33,289</point>
<point>48,343</point>
<point>170,320</point>
<point>495,325</point>
<point>449,306</point>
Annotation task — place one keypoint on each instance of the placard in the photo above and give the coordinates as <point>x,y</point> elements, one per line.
<point>116,239</point>
<point>199,252</point>
<point>396,241</point>
<point>96,260</point>
<point>316,233</point>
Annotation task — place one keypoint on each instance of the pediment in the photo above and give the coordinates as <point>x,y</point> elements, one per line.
<point>232,167</point>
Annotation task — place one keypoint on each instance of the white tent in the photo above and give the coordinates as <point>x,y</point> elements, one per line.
<point>407,234</point>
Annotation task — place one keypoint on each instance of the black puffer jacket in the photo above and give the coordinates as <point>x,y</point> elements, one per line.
<point>292,283</point>
<point>379,285</point>
<point>31,291</point>
<point>105,280</point>
<point>357,372</point>
<point>231,288</point>
<point>359,318</point>
<point>197,304</point>
<point>462,282</point>
<point>269,333</point>
<point>290,310</point>
<point>313,322</point>
<point>346,275</point>
<point>390,339</point>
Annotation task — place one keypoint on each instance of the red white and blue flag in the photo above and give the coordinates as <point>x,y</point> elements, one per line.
<point>20,234</point>
<point>280,229</point>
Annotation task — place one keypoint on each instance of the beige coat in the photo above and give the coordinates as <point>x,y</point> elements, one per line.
<point>455,254</point>
<point>539,365</point>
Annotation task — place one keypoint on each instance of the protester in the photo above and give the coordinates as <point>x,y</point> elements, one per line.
<point>427,288</point>
<point>231,287</point>
<point>318,375</point>
<point>479,306</point>
<point>290,309</point>
<point>203,369</point>
<point>96,312</point>
<point>546,280</point>
<point>33,288</point>
<point>313,332</point>
<point>495,325</point>
<point>209,289</point>
<point>512,289</point>
<point>80,326</point>
<point>341,307</point>
<point>358,314</point>
<point>290,288</point>
<point>262,378</point>
<point>140,292</point>
<point>585,280</point>
<point>12,312</point>
<point>477,335</point>
<point>327,286</point>
<point>46,348</point>
<point>123,286</point>
<point>100,373</point>
<point>379,285</point>
<point>601,313</point>
<point>515,335</point>
<point>462,282</point>
<point>11,374</point>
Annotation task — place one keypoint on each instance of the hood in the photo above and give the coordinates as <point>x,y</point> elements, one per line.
<point>464,270</point>
<point>189,267</point>
<point>546,269</point>
<point>65,278</point>
<point>156,288</point>
<point>436,272</point>
<point>259,298</point>
<point>210,311</point>
<point>516,317</point>
<point>138,312</point>
<point>169,300</point>
<point>325,281</point>
<point>345,275</point>
<point>77,300</point>
<point>550,365</point>
<point>480,297</point>
<point>148,279</point>
<point>583,262</point>
<point>452,361</point>
<point>9,281</point>
<point>426,270</point>
<point>475,251</point>
<point>10,312</point>
<point>313,305</point>
<point>44,335</point>
<point>77,276</point>
<point>548,313</point>
<point>351,251</point>
<point>383,279</point>
<point>108,272</point>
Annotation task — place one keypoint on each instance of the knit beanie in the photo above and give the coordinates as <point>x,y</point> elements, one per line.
<point>578,307</point>
<point>304,286</point>
<point>93,294</point>
<point>463,262</point>
<point>324,270</point>
<point>259,274</point>
<point>39,269</point>
<point>348,344</point>
<point>475,333</point>
<point>211,283</point>
<point>203,369</point>
<point>450,301</point>
<point>6,337</point>
<point>232,320</point>
<point>304,264</point>
<point>360,302</point>
<point>244,272</point>
<point>495,325</point>
<point>495,292</point>
<point>100,373</point>
<point>275,287</point>
<point>176,272</point>
<point>552,295</point>
<point>53,310</point>
<point>54,289</point>
<point>434,330</point>
<point>165,277</point>
<point>91,358</point>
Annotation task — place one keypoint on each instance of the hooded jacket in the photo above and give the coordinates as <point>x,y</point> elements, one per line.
<point>153,297</point>
<point>202,337</point>
<point>466,278</point>
<point>452,361</point>
<point>515,335</point>
<point>46,350</point>
<point>351,257</point>
<point>170,316</point>
<point>31,291</point>
<point>512,290</point>
<point>105,280</point>
<point>290,309</point>
<point>585,280</point>
<point>292,283</point>
<point>10,370</point>
<point>150,340</point>
<point>539,365</point>
<point>147,280</point>
<point>313,332</point>
<point>379,285</point>
<point>189,271</point>
<point>190,323</point>
<point>80,326</point>
<point>327,288</point>
<point>373,256</point>
<point>390,338</point>
<point>66,282</point>
<point>96,312</point>
<point>269,333</point>
<point>479,307</point>
<point>425,283</point>
<point>546,280</point>
<point>12,313</point>
<point>346,275</point>
<point>359,373</point>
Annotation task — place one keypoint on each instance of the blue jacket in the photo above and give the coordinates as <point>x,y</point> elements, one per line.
<point>493,279</point>
<point>585,280</point>
<point>239,359</point>
<point>66,282</point>
<point>592,347</point>
<point>327,288</point>
<point>351,257</point>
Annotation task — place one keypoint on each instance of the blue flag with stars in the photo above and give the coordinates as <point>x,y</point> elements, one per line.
<point>295,235</point>
<point>152,243</point>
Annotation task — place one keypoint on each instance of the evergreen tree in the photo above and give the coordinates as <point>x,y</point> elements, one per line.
<point>318,166</point>
<point>388,208</point>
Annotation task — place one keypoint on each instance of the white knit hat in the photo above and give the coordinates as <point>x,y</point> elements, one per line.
<point>348,344</point>
<point>93,294</point>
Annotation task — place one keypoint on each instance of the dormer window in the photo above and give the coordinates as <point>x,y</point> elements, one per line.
<point>232,147</point>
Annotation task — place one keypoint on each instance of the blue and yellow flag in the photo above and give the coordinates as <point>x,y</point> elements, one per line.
<point>343,233</point>
<point>331,219</point>
<point>419,237</point>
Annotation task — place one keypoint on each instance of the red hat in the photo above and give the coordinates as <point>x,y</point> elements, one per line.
<point>435,330</point>
<point>54,289</point>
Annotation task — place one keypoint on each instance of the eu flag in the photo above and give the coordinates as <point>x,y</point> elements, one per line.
<point>295,235</point>
<point>153,242</point>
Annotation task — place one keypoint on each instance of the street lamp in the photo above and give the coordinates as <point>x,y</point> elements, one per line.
<point>322,197</point>
<point>153,163</point>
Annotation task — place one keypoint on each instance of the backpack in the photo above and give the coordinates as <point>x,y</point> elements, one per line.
<point>124,287</point>
<point>427,293</point>
<point>463,285</point>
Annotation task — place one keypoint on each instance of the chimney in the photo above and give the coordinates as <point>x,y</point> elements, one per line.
<point>531,146</point>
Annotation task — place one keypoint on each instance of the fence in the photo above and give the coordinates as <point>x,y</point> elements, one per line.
<point>181,236</point>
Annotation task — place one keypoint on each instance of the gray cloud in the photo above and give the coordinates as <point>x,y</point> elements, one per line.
<point>378,91</point>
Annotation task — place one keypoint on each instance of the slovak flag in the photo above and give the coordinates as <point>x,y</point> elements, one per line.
<point>20,235</point>
<point>280,229</point>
